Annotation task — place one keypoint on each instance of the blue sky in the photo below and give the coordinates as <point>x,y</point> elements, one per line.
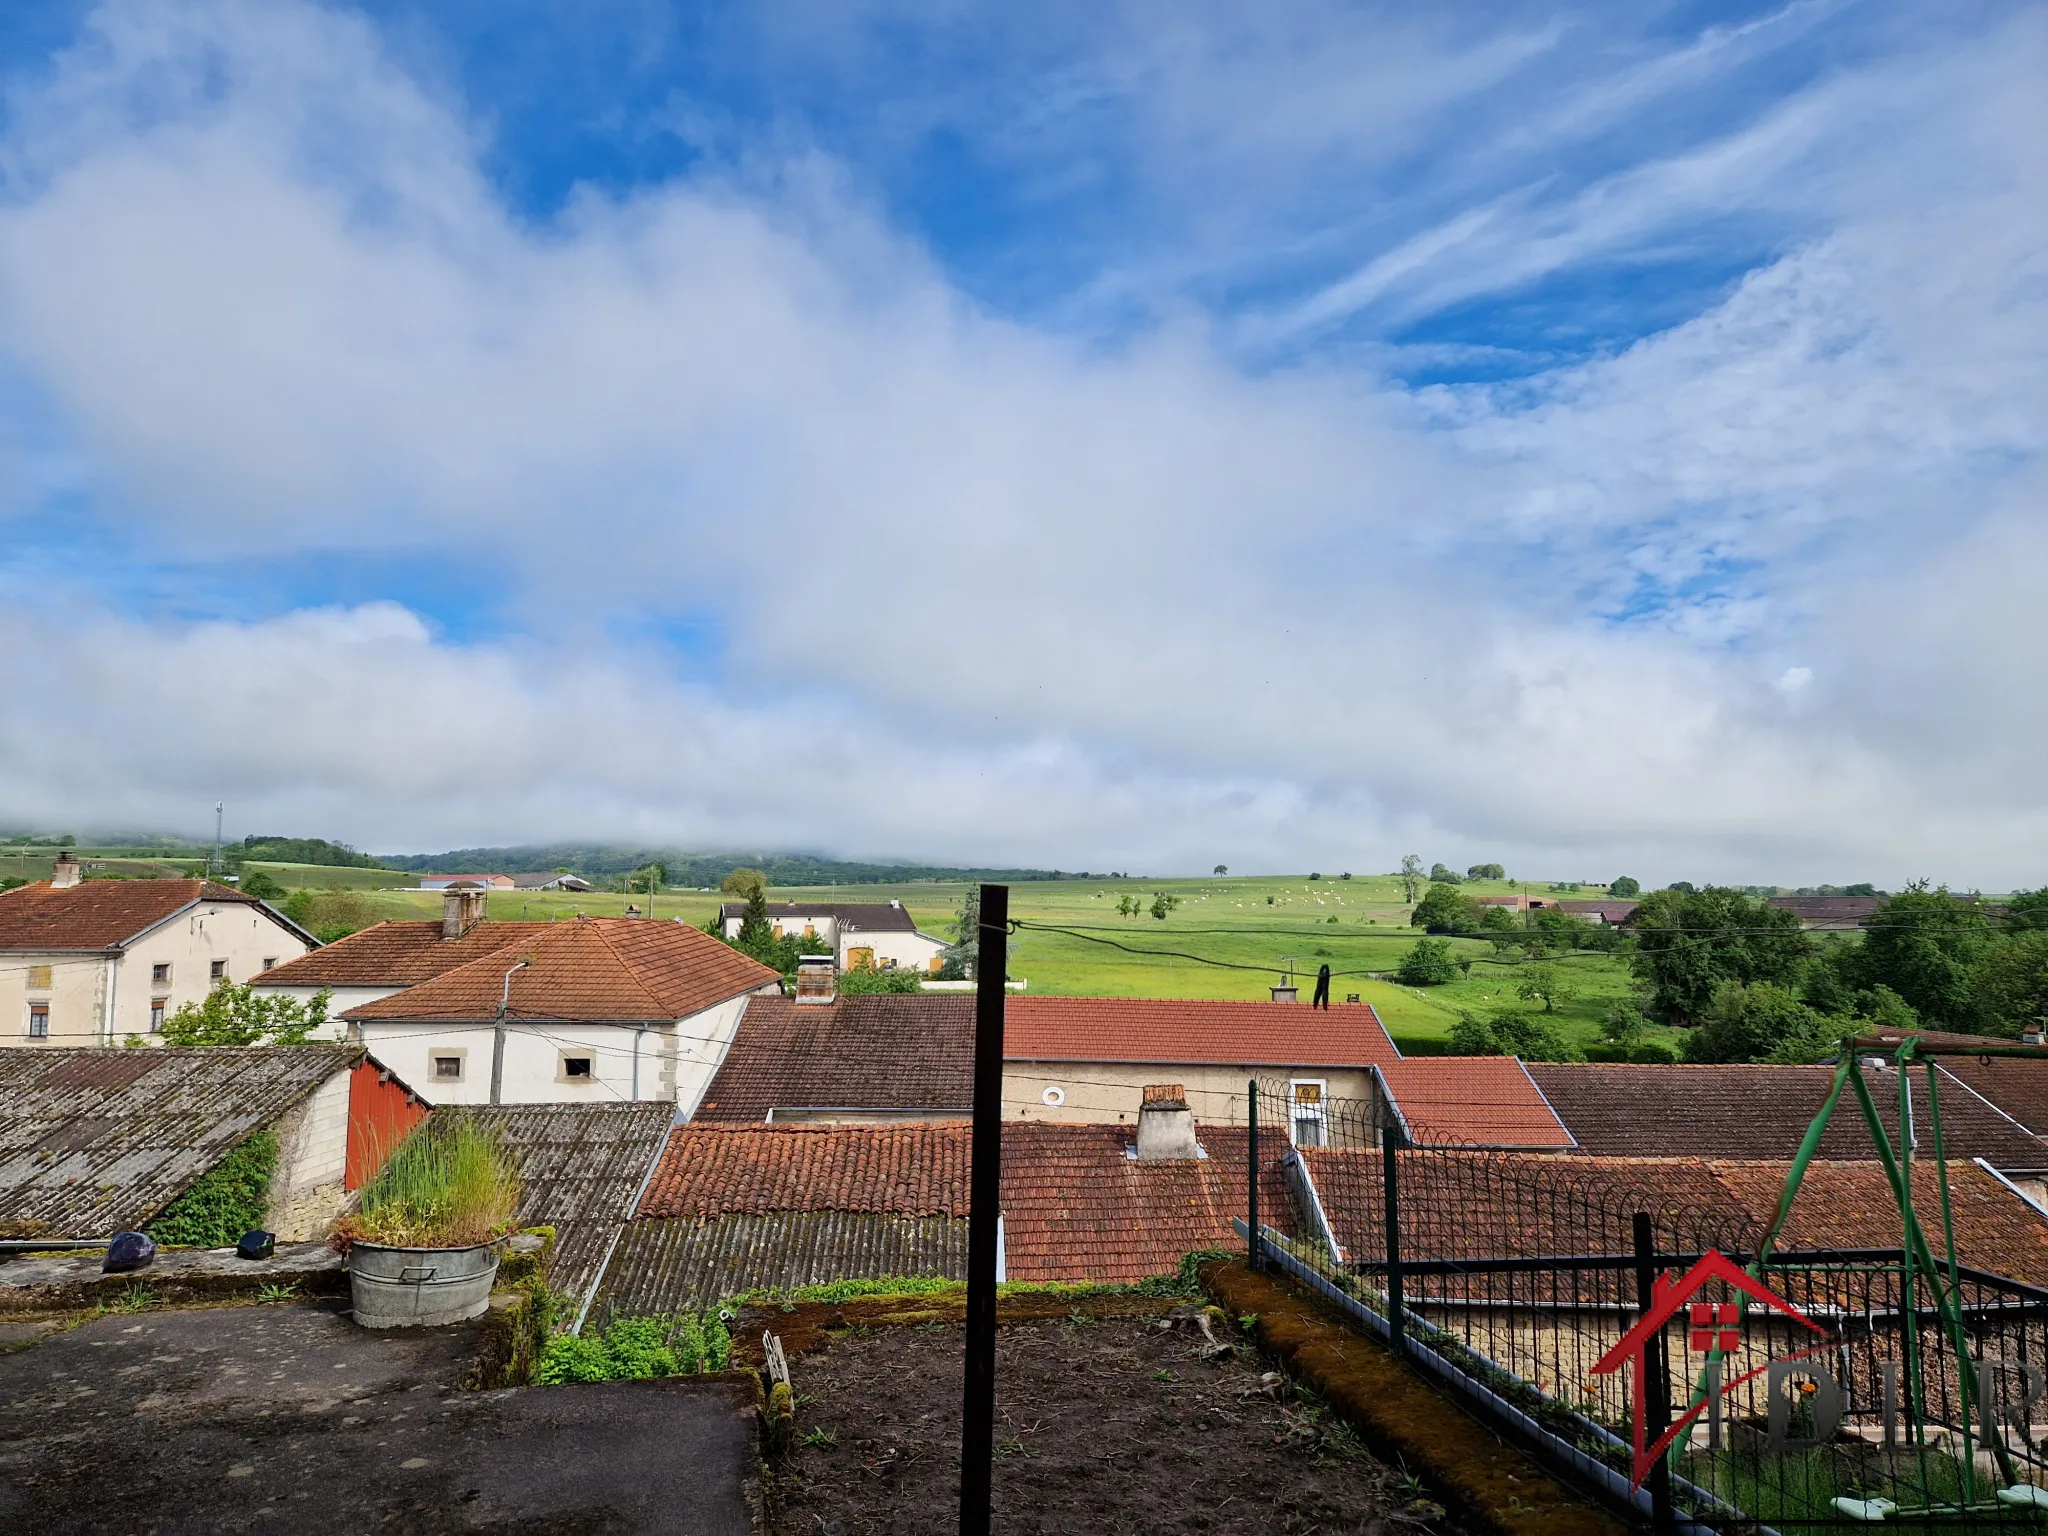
<point>1110,437</point>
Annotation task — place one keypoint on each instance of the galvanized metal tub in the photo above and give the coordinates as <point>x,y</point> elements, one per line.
<point>420,1287</point>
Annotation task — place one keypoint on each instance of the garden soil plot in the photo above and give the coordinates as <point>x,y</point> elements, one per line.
<point>1102,1424</point>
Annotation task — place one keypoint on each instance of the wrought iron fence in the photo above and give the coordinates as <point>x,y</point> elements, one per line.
<point>1821,1390</point>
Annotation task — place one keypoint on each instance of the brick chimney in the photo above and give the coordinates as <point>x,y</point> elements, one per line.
<point>2031,1035</point>
<point>64,873</point>
<point>460,912</point>
<point>1166,1126</point>
<point>817,979</point>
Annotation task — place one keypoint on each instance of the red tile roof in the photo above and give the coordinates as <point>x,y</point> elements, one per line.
<point>395,955</point>
<point>1075,1206</point>
<point>1746,1110</point>
<point>100,914</point>
<point>1479,1101</point>
<point>594,969</point>
<point>1194,1032</point>
<point>910,1170</point>
<point>909,1051</point>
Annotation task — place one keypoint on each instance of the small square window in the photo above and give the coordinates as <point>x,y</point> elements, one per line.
<point>157,1005</point>
<point>578,1068</point>
<point>39,1021</point>
<point>160,975</point>
<point>39,977</point>
<point>218,970</point>
<point>448,1067</point>
<point>270,962</point>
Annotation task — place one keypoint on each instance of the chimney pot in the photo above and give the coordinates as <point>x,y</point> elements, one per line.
<point>461,910</point>
<point>1286,992</point>
<point>1166,1126</point>
<point>2031,1035</point>
<point>64,873</point>
<point>817,979</point>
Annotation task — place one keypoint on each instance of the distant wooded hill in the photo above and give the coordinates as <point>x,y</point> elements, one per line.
<point>301,850</point>
<point>700,869</point>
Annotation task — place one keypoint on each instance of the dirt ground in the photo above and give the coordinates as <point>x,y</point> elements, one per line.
<point>1103,1425</point>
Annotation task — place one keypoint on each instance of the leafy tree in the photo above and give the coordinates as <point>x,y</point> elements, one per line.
<point>329,915</point>
<point>1511,1034</point>
<point>258,884</point>
<point>1430,963</point>
<point>1222,869</point>
<point>2012,984</point>
<point>1758,1022</point>
<point>1499,927</point>
<point>744,883</point>
<point>754,930</point>
<point>1162,904</point>
<point>1624,1025</point>
<point>1315,875</point>
<point>1486,872</point>
<point>1682,885</point>
<point>1562,931</point>
<point>2027,911</point>
<point>650,877</point>
<point>232,1015</point>
<point>1926,946</point>
<point>1411,876</point>
<point>1691,943</point>
<point>1543,983</point>
<point>1625,886</point>
<point>1440,875</point>
<point>1444,910</point>
<point>956,962</point>
<point>902,979</point>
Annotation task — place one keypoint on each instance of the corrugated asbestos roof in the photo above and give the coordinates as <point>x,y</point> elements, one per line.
<point>581,1167</point>
<point>95,1141</point>
<point>99,914</point>
<point>662,1266</point>
<point>879,1050</point>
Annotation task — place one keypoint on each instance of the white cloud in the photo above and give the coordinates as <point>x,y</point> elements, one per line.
<point>1066,605</point>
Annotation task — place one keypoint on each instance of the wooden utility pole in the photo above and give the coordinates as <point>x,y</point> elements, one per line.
<point>985,1194</point>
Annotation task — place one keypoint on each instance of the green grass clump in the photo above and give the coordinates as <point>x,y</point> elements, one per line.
<point>637,1349</point>
<point>442,1189</point>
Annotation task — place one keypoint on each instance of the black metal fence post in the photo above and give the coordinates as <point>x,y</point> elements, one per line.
<point>1253,1254</point>
<point>1656,1376</point>
<point>985,1197</point>
<point>1397,1319</point>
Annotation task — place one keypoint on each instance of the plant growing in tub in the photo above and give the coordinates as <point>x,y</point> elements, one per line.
<point>424,1240</point>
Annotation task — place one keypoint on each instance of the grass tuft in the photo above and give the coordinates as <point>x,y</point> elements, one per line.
<point>441,1189</point>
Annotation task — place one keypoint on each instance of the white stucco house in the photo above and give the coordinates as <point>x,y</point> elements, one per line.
<point>863,935</point>
<point>589,1010</point>
<point>97,962</point>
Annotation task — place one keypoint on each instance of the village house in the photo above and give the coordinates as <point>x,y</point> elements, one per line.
<point>1828,914</point>
<point>878,936</point>
<point>488,882</point>
<point>550,881</point>
<point>98,962</point>
<point>593,1010</point>
<point>95,1141</point>
<point>819,1058</point>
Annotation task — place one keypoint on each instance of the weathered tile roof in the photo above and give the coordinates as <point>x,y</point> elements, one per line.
<point>855,916</point>
<point>1194,1031</point>
<point>1745,1110</point>
<point>1478,1204</point>
<point>93,1141</point>
<point>99,914</point>
<point>594,969</point>
<point>581,1167</point>
<point>1075,1205</point>
<point>1841,911</point>
<point>909,1051</point>
<point>2015,1085</point>
<point>668,1264</point>
<point>1607,911</point>
<point>1480,1101</point>
<point>400,954</point>
<point>911,1170</point>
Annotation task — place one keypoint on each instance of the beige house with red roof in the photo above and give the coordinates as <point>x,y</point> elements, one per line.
<point>593,1010</point>
<point>97,962</point>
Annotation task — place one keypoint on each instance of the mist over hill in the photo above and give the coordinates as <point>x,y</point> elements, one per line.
<point>699,868</point>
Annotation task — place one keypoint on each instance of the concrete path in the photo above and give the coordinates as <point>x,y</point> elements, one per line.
<point>290,1418</point>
